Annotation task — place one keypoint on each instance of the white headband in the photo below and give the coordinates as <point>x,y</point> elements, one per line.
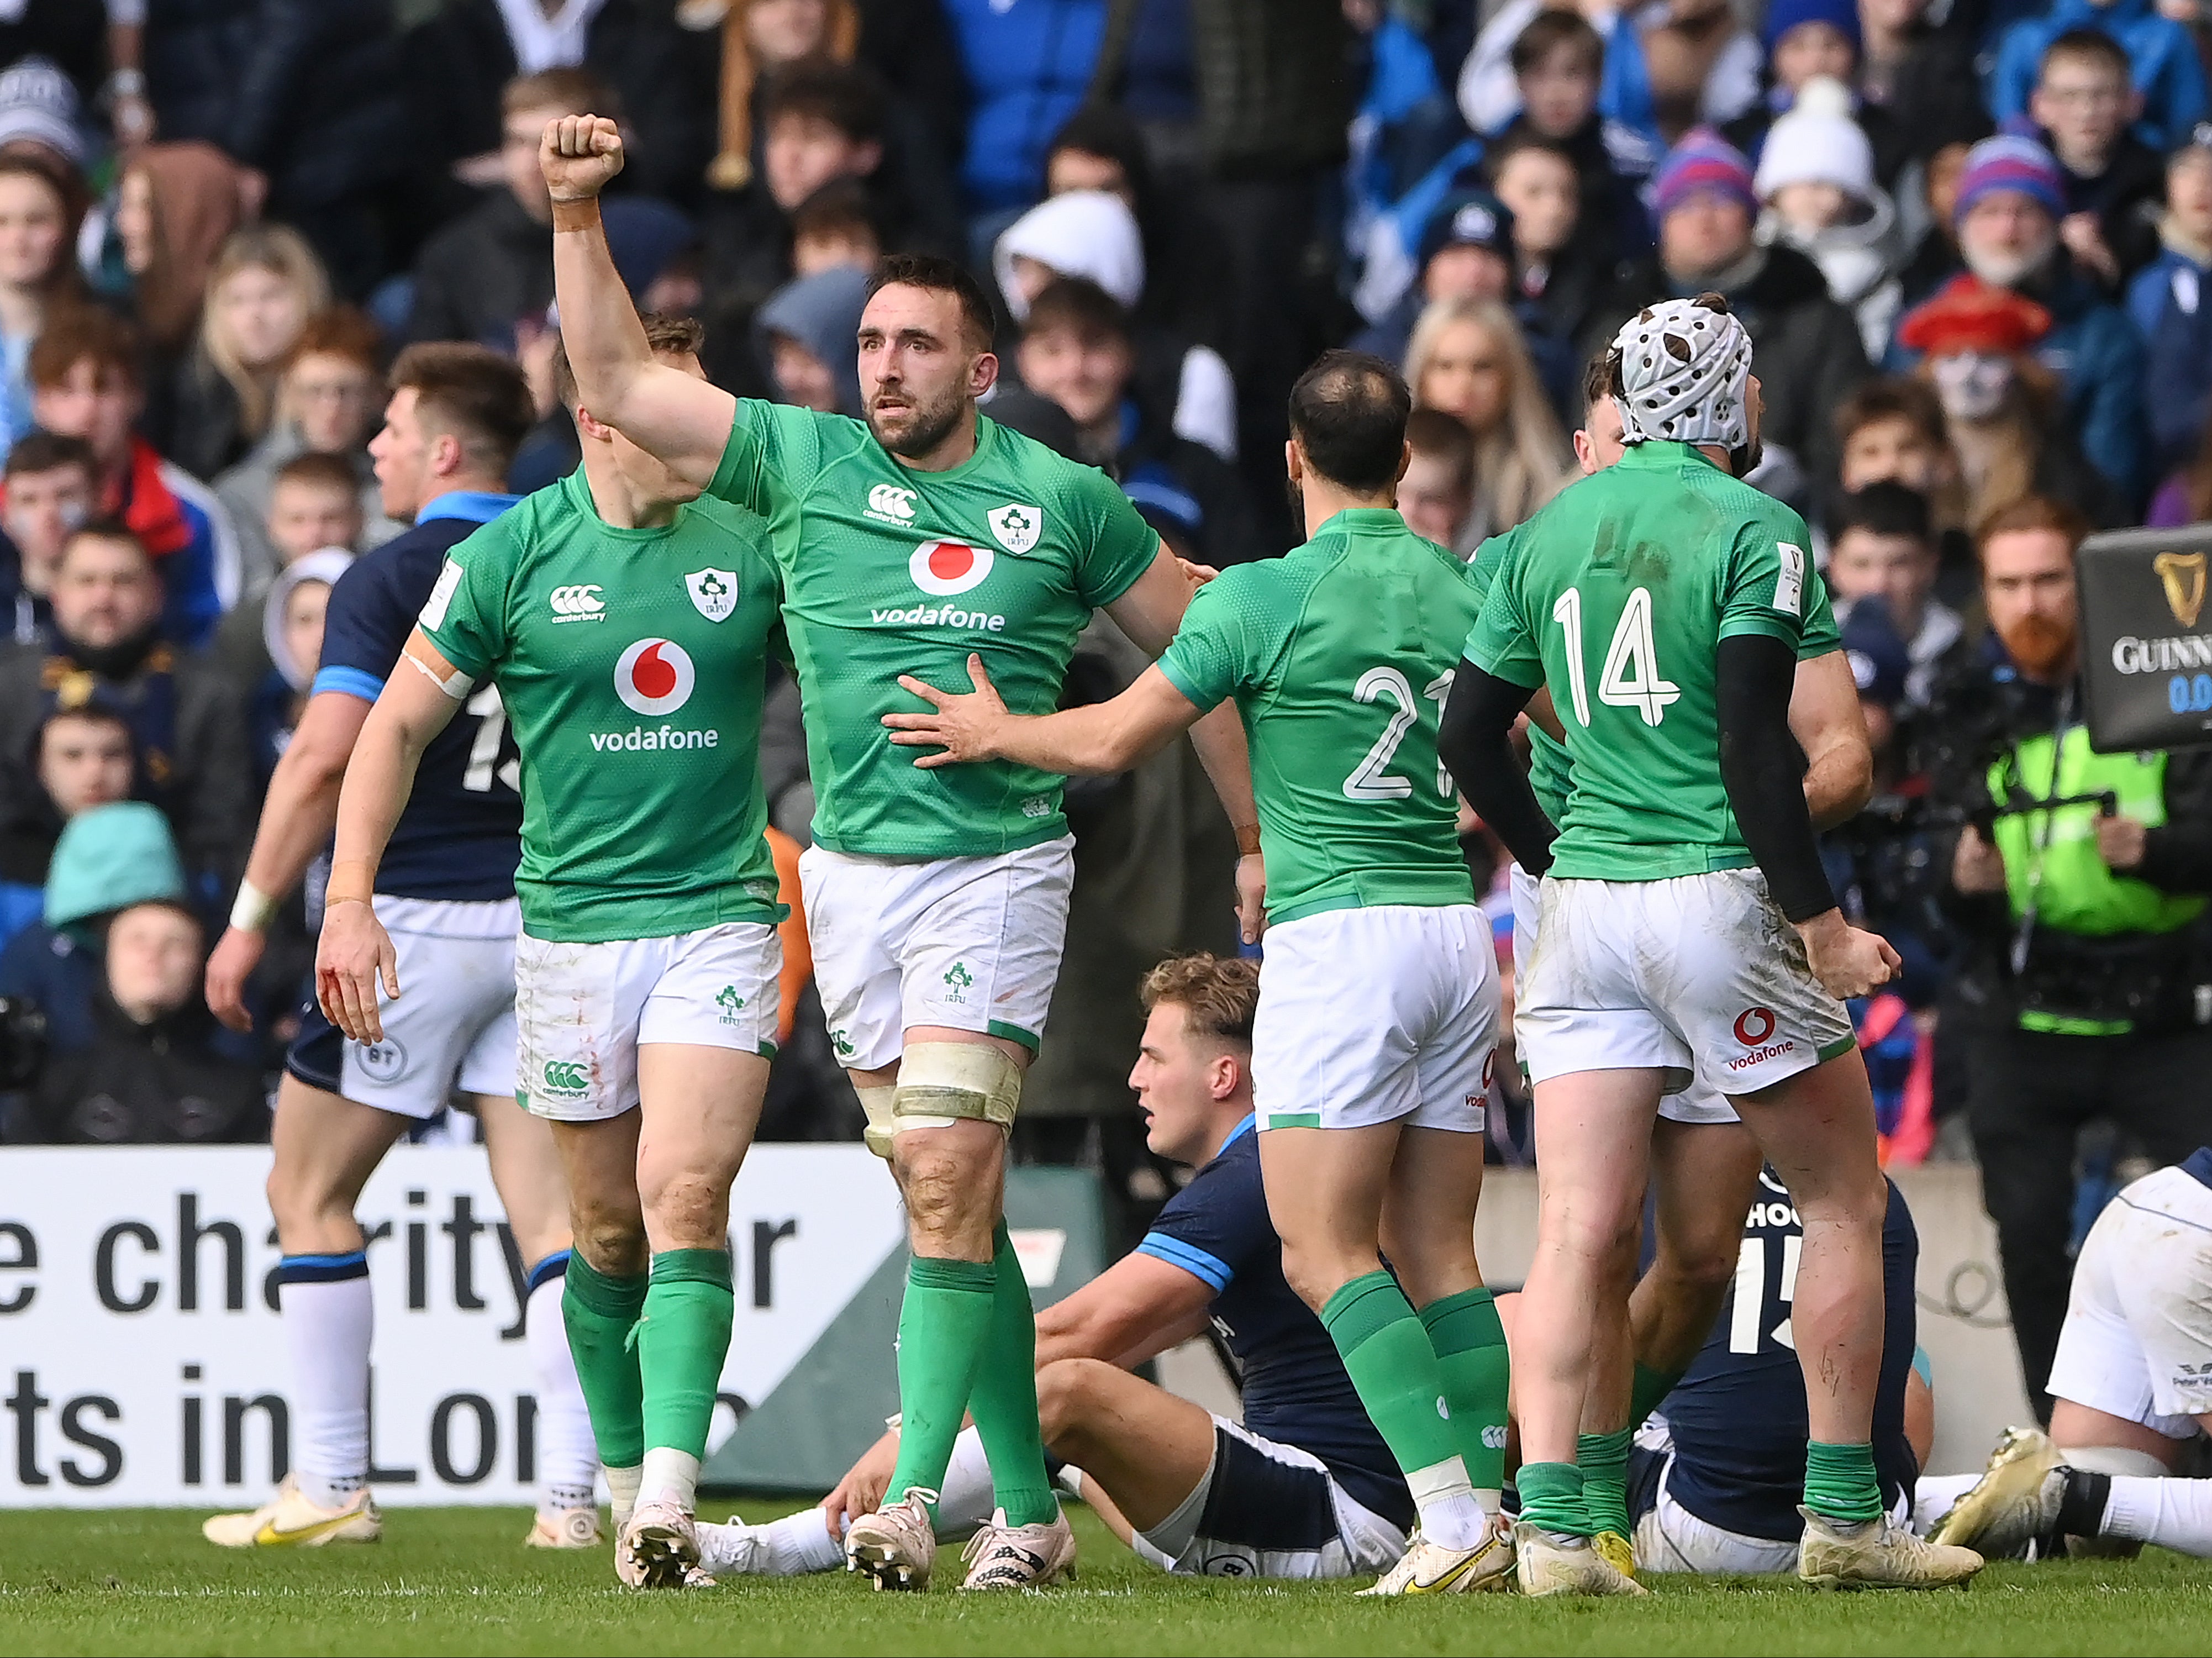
<point>1684,375</point>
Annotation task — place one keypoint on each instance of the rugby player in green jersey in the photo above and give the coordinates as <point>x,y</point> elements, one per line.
<point>1371,1050</point>
<point>1686,922</point>
<point>625,620</point>
<point>1705,1165</point>
<point>936,903</point>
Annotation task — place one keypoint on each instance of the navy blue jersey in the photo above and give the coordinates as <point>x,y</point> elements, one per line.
<point>1296,1391</point>
<point>1738,1415</point>
<point>461,835</point>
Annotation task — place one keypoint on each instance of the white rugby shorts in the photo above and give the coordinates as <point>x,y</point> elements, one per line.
<point>968,943</point>
<point>1382,1014</point>
<point>1698,1103</point>
<point>1696,975</point>
<point>453,1024</point>
<point>583,1009</point>
<point>2137,1340</point>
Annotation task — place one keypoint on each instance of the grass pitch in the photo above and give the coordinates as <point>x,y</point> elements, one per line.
<point>459,1581</point>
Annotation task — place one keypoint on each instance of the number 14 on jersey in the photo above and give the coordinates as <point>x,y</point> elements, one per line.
<point>1630,677</point>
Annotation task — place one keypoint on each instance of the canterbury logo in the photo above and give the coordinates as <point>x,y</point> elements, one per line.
<point>564,1076</point>
<point>2183,573</point>
<point>579,602</point>
<point>888,501</point>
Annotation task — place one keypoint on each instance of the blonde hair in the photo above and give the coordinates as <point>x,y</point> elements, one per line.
<point>284,253</point>
<point>1520,464</point>
<point>732,165</point>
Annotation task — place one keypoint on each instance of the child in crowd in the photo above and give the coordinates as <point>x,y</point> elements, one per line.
<point>2177,275</point>
<point>50,491</point>
<point>2085,104</point>
<point>805,335</point>
<point>1816,181</point>
<point>835,226</point>
<point>292,638</point>
<point>314,504</point>
<point>1558,62</point>
<point>1435,496</point>
<point>82,757</point>
<point>1563,271</point>
<point>1884,553</point>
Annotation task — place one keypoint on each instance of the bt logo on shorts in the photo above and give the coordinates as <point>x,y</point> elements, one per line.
<point>580,603</point>
<point>564,1077</point>
<point>889,504</point>
<point>655,677</point>
<point>946,568</point>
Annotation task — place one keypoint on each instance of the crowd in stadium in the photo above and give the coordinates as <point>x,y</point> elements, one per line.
<point>1969,238</point>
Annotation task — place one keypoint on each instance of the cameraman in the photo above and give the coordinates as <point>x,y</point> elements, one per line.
<point>2076,889</point>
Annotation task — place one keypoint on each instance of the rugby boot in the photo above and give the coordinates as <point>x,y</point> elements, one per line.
<point>2015,1500</point>
<point>564,1528</point>
<point>289,1521</point>
<point>1428,1568</point>
<point>1552,1562</point>
<point>658,1549</point>
<point>895,1547</point>
<point>1875,1554</point>
<point>1004,1557</point>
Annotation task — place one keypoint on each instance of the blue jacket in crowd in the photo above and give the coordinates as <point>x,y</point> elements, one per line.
<point>2097,354</point>
<point>2168,73</point>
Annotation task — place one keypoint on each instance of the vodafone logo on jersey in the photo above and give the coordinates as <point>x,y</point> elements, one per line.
<point>946,568</point>
<point>654,676</point>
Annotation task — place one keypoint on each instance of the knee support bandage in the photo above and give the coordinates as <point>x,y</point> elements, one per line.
<point>943,1082</point>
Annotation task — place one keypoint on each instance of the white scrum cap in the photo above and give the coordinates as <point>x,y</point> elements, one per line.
<point>1684,375</point>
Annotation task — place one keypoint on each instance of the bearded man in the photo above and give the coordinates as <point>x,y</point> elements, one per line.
<point>2076,884</point>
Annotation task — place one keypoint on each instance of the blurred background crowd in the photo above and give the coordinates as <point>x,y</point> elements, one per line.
<point>1971,239</point>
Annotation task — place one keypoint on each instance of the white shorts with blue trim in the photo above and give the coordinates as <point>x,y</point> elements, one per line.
<point>2137,1339</point>
<point>452,1026</point>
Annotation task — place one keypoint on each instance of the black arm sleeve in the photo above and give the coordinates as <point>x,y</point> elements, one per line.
<point>1473,743</point>
<point>1762,774</point>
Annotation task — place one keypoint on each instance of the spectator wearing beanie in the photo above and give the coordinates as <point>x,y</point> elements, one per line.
<point>2163,53</point>
<point>1805,347</point>
<point>2011,199</point>
<point>1816,182</point>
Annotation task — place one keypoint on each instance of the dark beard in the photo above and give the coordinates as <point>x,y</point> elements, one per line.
<point>115,662</point>
<point>1744,459</point>
<point>929,428</point>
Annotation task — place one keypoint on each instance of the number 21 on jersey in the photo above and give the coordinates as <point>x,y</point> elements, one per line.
<point>1372,778</point>
<point>1630,677</point>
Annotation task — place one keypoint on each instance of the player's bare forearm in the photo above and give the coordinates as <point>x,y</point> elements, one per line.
<point>1826,720</point>
<point>303,801</point>
<point>682,421</point>
<point>1139,1305</point>
<point>1219,737</point>
<point>1101,738</point>
<point>414,707</point>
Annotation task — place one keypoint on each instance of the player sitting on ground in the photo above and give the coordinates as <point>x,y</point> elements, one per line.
<point>602,607</point>
<point>2131,1395</point>
<point>1378,1002</point>
<point>446,886</point>
<point>1680,592</point>
<point>1705,1163</point>
<point>1302,1487</point>
<point>1716,1477</point>
<point>936,907</point>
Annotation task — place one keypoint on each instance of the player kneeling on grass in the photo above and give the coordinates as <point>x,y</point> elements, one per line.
<point>2131,1395</point>
<point>624,622</point>
<point>1378,1003</point>
<point>1302,1487</point>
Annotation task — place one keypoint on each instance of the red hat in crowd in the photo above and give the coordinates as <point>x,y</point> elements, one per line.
<point>1967,314</point>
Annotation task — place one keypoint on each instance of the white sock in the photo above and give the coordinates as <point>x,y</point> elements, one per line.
<point>329,1318</point>
<point>2175,1513</point>
<point>621,1491</point>
<point>669,1476</point>
<point>967,1500</point>
<point>568,1456</point>
<point>1450,1517</point>
<point>1933,1495</point>
<point>793,1546</point>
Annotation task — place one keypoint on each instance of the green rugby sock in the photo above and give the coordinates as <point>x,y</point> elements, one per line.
<point>1469,1344</point>
<point>1650,1387</point>
<point>682,1342</point>
<point>944,1323</point>
<point>1386,1354</point>
<point>1551,1497</point>
<point>1004,1399</point>
<point>1603,1459</point>
<point>1840,1483</point>
<point>600,1312</point>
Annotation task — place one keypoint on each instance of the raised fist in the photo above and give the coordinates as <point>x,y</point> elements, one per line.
<point>579,155</point>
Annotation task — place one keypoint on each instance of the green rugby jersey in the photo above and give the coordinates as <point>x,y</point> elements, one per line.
<point>889,571</point>
<point>1339,655</point>
<point>632,663</point>
<point>1547,756</point>
<point>1617,599</point>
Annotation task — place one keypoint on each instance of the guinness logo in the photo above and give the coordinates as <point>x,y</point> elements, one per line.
<point>2184,576</point>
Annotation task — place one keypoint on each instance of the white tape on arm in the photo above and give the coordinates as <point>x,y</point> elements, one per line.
<point>455,685</point>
